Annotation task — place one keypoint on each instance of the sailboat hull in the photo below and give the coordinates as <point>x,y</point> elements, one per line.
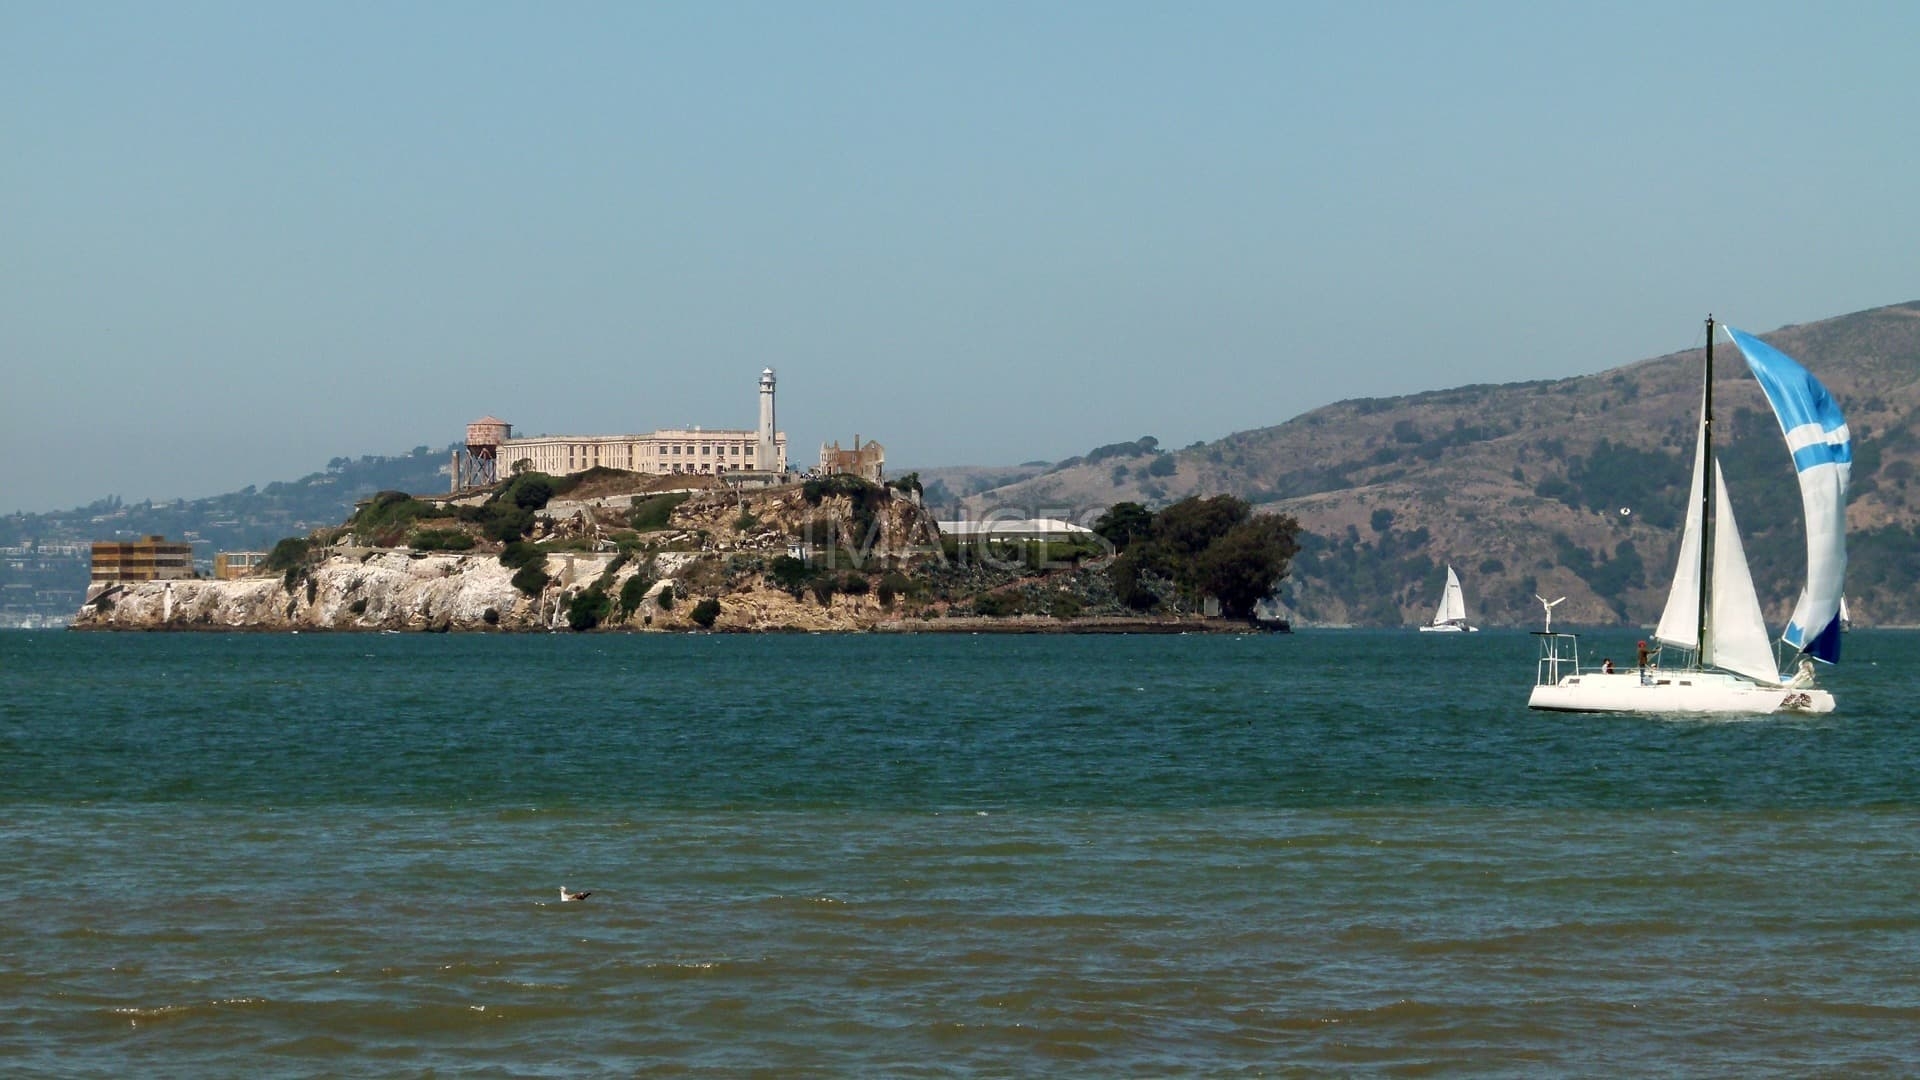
<point>1675,692</point>
<point>1450,628</point>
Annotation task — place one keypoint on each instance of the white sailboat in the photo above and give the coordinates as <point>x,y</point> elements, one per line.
<point>1846,620</point>
<point>1452,615</point>
<point>1713,616</point>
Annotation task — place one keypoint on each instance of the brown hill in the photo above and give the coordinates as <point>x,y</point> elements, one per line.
<point>1564,487</point>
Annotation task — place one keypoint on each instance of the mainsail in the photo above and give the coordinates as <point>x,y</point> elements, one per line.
<point>1736,628</point>
<point>1822,449</point>
<point>1453,603</point>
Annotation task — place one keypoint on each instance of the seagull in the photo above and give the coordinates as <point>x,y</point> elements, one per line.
<point>567,896</point>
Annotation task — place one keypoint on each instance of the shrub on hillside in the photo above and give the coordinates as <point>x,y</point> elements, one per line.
<point>587,608</point>
<point>530,580</point>
<point>519,553</point>
<point>634,592</point>
<point>440,540</point>
<point>998,605</point>
<point>292,552</point>
<point>655,511</point>
<point>705,612</point>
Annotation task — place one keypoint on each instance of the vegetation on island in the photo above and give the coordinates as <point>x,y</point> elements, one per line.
<point>855,552</point>
<point>1200,547</point>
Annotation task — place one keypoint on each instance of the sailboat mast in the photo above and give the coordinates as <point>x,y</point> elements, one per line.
<point>1709,487</point>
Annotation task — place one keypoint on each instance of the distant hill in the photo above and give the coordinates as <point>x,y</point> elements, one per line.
<point>1569,486</point>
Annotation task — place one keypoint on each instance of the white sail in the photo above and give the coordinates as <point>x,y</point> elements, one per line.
<point>1453,602</point>
<point>1680,622</point>
<point>1736,629</point>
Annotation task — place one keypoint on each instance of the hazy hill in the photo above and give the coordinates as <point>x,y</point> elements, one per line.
<point>1570,486</point>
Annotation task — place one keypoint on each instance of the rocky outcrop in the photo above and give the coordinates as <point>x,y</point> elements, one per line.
<point>395,590</point>
<point>874,563</point>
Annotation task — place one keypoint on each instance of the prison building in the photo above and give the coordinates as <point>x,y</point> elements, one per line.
<point>697,450</point>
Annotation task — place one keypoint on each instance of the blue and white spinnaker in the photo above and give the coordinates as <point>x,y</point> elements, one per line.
<point>1822,449</point>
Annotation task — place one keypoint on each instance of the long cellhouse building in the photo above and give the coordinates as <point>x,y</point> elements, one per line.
<point>668,450</point>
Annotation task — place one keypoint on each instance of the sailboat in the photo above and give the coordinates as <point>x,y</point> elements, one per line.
<point>1712,619</point>
<point>1452,615</point>
<point>1846,620</point>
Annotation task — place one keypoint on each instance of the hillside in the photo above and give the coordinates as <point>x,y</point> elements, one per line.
<point>1570,486</point>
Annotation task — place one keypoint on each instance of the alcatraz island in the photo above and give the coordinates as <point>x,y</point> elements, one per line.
<point>710,529</point>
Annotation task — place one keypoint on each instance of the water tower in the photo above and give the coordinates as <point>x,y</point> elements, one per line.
<point>480,465</point>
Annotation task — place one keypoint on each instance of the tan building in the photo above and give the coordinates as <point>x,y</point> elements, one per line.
<point>676,450</point>
<point>868,460</point>
<point>695,450</point>
<point>228,565</point>
<point>151,559</point>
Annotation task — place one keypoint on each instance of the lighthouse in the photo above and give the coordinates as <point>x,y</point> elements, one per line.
<point>765,459</point>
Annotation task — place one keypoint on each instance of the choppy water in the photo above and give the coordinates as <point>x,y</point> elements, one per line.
<point>932,856</point>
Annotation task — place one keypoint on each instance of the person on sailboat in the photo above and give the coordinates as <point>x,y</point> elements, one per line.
<point>1606,666</point>
<point>1642,660</point>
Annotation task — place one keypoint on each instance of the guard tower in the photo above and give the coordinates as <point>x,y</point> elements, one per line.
<point>764,459</point>
<point>479,464</point>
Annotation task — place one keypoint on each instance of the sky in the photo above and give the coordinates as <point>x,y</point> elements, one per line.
<point>238,240</point>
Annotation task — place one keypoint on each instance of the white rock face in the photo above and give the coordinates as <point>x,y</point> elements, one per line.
<point>395,590</point>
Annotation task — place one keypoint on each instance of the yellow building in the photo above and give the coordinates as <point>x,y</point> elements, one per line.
<point>151,559</point>
<point>228,565</point>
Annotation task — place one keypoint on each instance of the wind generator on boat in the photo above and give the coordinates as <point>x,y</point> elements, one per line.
<point>1713,616</point>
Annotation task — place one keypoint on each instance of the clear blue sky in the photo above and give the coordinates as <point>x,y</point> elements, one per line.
<point>237,240</point>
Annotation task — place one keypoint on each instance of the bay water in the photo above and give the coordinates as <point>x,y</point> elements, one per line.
<point>1329,853</point>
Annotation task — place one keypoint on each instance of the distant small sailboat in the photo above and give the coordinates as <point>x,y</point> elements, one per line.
<point>1846,620</point>
<point>1452,615</point>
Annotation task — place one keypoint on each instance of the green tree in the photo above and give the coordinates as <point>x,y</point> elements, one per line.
<point>1124,523</point>
<point>1243,566</point>
<point>1190,526</point>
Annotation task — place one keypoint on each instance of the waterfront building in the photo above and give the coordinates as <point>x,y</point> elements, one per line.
<point>149,559</point>
<point>228,565</point>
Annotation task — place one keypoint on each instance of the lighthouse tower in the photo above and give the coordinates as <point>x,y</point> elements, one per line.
<point>765,460</point>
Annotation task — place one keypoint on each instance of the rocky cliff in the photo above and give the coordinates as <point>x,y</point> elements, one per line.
<point>833,555</point>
